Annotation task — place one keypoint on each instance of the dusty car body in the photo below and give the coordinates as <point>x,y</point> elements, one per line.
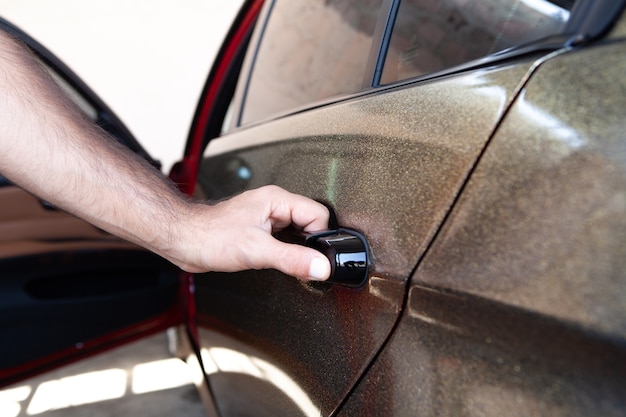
<point>477,146</point>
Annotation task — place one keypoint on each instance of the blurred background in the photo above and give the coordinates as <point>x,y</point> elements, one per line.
<point>147,59</point>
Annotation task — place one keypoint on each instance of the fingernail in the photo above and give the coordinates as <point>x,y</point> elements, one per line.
<point>319,269</point>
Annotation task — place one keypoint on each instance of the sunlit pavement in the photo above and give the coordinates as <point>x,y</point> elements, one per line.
<point>140,379</point>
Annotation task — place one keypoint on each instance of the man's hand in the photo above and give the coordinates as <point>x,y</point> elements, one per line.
<point>236,234</point>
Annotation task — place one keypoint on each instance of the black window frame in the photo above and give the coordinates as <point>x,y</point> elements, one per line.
<point>589,19</point>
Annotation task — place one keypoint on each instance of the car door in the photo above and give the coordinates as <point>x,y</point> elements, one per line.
<point>340,101</point>
<point>518,307</point>
<point>68,289</point>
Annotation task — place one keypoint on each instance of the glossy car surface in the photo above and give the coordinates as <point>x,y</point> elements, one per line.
<point>479,147</point>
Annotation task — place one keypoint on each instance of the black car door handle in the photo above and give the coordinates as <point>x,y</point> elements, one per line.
<point>346,249</point>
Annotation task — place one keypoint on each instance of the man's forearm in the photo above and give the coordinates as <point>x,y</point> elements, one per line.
<point>44,136</point>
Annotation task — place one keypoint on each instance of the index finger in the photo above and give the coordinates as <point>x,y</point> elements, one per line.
<point>310,215</point>
<point>296,209</point>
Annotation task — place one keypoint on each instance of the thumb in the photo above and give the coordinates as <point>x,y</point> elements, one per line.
<point>297,261</point>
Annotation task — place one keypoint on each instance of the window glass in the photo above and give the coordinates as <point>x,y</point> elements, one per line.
<point>432,35</point>
<point>311,50</point>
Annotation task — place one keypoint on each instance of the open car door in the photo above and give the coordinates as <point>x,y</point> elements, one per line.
<point>68,289</point>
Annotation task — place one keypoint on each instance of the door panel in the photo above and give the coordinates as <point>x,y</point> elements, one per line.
<point>550,190</point>
<point>25,218</point>
<point>68,289</point>
<point>518,308</point>
<point>390,165</point>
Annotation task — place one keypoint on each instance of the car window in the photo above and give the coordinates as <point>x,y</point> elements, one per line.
<point>430,36</point>
<point>310,50</point>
